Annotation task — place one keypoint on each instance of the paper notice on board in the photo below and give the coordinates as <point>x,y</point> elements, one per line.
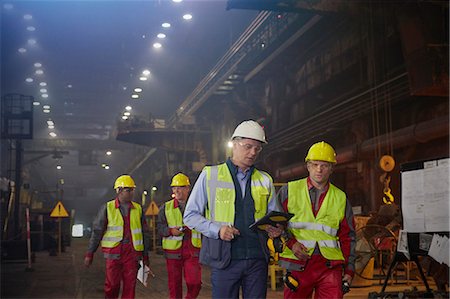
<point>413,201</point>
<point>436,194</point>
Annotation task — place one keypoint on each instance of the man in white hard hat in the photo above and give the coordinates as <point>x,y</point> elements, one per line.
<point>226,199</point>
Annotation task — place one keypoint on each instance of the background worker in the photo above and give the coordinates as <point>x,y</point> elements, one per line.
<point>181,245</point>
<point>121,228</point>
<point>225,201</point>
<point>321,244</point>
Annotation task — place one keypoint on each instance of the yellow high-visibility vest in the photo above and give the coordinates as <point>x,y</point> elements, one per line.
<point>221,193</point>
<point>321,229</point>
<point>175,219</point>
<point>114,230</point>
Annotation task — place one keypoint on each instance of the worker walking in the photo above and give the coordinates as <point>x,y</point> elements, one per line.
<point>121,229</point>
<point>181,245</point>
<point>320,253</point>
<point>225,201</point>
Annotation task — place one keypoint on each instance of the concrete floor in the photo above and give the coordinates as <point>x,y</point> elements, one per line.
<point>64,276</point>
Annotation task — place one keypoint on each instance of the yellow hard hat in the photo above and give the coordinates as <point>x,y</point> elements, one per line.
<point>321,151</point>
<point>124,181</point>
<point>180,180</point>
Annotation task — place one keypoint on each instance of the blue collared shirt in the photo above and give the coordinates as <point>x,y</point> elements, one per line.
<point>198,200</point>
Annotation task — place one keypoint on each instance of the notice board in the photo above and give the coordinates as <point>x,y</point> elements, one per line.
<point>425,196</point>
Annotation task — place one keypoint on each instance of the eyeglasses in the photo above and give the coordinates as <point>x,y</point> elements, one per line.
<point>321,166</point>
<point>249,147</point>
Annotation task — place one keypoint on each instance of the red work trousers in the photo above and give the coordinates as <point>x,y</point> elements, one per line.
<point>318,277</point>
<point>190,267</point>
<point>122,270</point>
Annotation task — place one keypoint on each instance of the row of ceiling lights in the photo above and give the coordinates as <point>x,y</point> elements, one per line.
<point>144,76</point>
<point>38,73</point>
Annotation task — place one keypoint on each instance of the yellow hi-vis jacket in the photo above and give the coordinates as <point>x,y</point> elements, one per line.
<point>221,193</point>
<point>114,230</point>
<point>321,229</point>
<point>175,219</point>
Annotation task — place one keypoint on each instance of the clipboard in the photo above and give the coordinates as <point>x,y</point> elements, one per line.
<point>272,218</point>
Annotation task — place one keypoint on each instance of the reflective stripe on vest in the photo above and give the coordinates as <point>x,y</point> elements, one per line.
<point>321,229</point>
<point>114,231</point>
<point>175,219</point>
<point>220,187</point>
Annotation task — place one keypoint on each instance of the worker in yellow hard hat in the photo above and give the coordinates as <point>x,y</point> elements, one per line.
<point>180,244</point>
<point>320,248</point>
<point>226,199</point>
<point>122,231</point>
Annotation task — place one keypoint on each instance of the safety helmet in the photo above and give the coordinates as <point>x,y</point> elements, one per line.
<point>250,129</point>
<point>124,181</point>
<point>321,151</point>
<point>180,180</point>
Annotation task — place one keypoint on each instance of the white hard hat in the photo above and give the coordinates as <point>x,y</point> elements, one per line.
<point>250,129</point>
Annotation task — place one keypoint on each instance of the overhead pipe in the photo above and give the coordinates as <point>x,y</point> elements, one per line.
<point>418,133</point>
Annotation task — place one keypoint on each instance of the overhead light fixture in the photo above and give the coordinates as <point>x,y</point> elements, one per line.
<point>187,16</point>
<point>39,72</point>
<point>32,41</point>
<point>161,35</point>
<point>143,78</point>
<point>177,1</point>
<point>44,95</point>
<point>22,50</point>
<point>135,96</point>
<point>27,17</point>
<point>58,167</point>
<point>146,72</point>
<point>43,84</point>
<point>46,107</point>
<point>157,45</point>
<point>38,64</point>
<point>46,110</point>
<point>52,134</point>
<point>137,89</point>
<point>50,122</point>
<point>36,103</point>
<point>124,117</point>
<point>108,153</point>
<point>29,80</point>
<point>31,28</point>
<point>128,108</point>
<point>43,90</point>
<point>165,25</point>
<point>127,113</point>
<point>107,167</point>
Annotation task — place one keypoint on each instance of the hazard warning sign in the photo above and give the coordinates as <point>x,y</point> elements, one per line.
<point>152,209</point>
<point>59,211</point>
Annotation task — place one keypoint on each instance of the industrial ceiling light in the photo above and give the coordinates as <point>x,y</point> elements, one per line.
<point>128,108</point>
<point>143,78</point>
<point>187,16</point>
<point>157,45</point>
<point>161,35</point>
<point>43,84</point>
<point>22,50</point>
<point>137,89</point>
<point>135,96</point>
<point>165,25</point>
<point>108,153</point>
